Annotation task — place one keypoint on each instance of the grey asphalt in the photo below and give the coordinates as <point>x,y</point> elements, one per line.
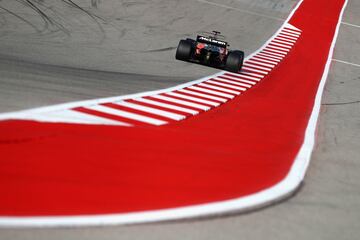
<point>127,46</point>
<point>328,204</point>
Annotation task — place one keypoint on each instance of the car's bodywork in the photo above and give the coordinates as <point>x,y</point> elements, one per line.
<point>211,51</point>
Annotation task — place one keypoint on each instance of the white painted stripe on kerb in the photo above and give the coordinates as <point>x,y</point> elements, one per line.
<point>292,30</point>
<point>253,70</point>
<point>182,102</point>
<point>288,25</point>
<point>280,45</point>
<point>287,36</point>
<point>267,55</point>
<point>291,33</point>
<point>265,60</point>
<point>166,105</point>
<point>281,49</point>
<point>219,88</point>
<point>296,33</point>
<point>203,95</point>
<point>198,88</point>
<point>155,111</point>
<point>283,42</point>
<point>71,116</point>
<point>233,82</point>
<point>256,66</point>
<point>255,61</point>
<point>274,49</point>
<point>222,84</point>
<point>284,35</point>
<point>256,75</point>
<point>285,39</point>
<point>245,75</point>
<point>125,114</point>
<point>238,79</point>
<point>193,99</point>
<point>271,52</point>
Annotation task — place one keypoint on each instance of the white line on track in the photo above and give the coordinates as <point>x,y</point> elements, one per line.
<point>350,24</point>
<point>349,63</point>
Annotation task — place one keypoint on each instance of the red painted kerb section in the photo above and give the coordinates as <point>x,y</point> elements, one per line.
<point>245,146</point>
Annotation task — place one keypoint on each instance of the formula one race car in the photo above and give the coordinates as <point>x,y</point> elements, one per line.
<point>210,50</point>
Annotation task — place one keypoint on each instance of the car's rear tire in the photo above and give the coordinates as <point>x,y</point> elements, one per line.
<point>183,51</point>
<point>234,61</point>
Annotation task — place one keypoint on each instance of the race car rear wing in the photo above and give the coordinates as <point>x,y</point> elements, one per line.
<point>213,41</point>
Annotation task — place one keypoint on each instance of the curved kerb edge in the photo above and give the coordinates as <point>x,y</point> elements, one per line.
<point>263,198</point>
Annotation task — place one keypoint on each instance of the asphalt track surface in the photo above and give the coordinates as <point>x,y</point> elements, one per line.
<point>326,207</point>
